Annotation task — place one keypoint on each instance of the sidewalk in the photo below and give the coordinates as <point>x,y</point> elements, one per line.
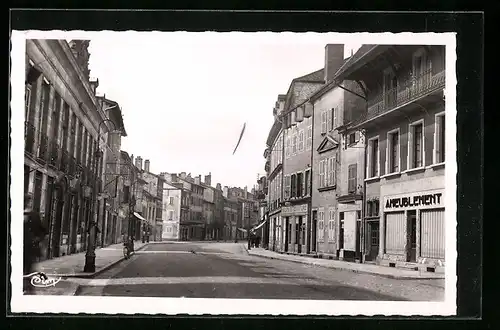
<point>72,266</point>
<point>396,273</point>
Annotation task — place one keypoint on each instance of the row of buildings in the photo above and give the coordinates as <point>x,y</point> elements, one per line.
<point>355,159</point>
<point>80,179</point>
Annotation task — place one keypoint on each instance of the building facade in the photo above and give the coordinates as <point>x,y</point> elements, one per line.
<point>62,119</point>
<point>171,210</point>
<point>404,125</point>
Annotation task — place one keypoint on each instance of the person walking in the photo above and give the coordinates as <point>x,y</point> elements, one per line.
<point>34,234</point>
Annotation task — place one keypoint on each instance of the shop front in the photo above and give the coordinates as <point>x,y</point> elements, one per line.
<point>413,229</point>
<point>349,225</point>
<point>295,219</point>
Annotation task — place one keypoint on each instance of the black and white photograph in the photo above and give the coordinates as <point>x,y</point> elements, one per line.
<point>233,173</point>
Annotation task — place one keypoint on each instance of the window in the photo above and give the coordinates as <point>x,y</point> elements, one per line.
<point>341,230</point>
<point>321,224</point>
<point>171,200</point>
<point>351,138</point>
<point>393,151</point>
<point>331,172</point>
<point>324,121</point>
<point>372,208</point>
<point>300,184</point>
<point>287,147</point>
<point>331,224</point>
<point>352,178</point>
<point>416,142</point>
<point>307,186</point>
<point>439,139</point>
<point>287,186</point>
<point>170,215</point>
<point>27,101</point>
<point>294,143</point>
<point>294,185</point>
<point>301,141</point>
<point>321,174</point>
<point>309,138</point>
<point>373,158</point>
<point>333,119</point>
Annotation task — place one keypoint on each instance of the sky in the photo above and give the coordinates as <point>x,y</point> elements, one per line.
<point>185,97</point>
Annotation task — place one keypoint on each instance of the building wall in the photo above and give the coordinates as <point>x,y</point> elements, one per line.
<point>56,144</point>
<point>171,213</point>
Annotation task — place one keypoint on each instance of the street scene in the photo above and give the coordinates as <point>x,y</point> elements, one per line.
<point>319,177</point>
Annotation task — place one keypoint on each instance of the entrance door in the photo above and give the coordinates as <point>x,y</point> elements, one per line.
<point>412,236</point>
<point>300,235</point>
<point>374,239</point>
<point>287,232</point>
<point>313,230</point>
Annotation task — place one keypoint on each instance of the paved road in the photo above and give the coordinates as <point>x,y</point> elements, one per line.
<point>225,270</point>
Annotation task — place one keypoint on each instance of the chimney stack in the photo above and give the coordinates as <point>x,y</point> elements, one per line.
<point>218,186</point>
<point>225,191</point>
<point>146,165</point>
<point>334,59</point>
<point>197,179</point>
<point>138,162</point>
<point>174,177</point>
<point>208,179</point>
<point>132,158</point>
<point>183,175</point>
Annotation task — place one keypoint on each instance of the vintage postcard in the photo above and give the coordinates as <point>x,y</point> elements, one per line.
<point>233,173</point>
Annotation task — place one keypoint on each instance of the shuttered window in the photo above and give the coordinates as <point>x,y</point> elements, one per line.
<point>352,178</point>
<point>395,233</point>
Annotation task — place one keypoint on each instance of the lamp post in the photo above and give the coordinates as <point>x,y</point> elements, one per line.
<point>93,229</point>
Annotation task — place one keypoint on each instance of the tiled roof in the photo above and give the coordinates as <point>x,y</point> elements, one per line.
<point>316,76</point>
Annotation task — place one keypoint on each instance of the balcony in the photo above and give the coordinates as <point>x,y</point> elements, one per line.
<point>409,90</point>
<point>43,148</point>
<point>29,137</point>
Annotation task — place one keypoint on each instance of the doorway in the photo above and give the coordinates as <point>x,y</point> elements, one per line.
<point>313,230</point>
<point>300,235</point>
<point>411,254</point>
<point>374,239</point>
<point>288,228</point>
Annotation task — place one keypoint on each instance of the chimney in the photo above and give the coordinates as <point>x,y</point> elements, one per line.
<point>174,177</point>
<point>94,84</point>
<point>146,165</point>
<point>132,158</point>
<point>334,58</point>
<point>246,192</point>
<point>225,191</point>
<point>138,162</point>
<point>208,179</point>
<point>183,175</point>
<point>218,186</point>
<point>197,180</point>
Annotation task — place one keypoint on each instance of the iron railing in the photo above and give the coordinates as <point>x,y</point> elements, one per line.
<point>409,89</point>
<point>29,137</point>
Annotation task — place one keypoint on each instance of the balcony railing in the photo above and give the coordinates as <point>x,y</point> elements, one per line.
<point>29,137</point>
<point>409,90</point>
<point>43,148</point>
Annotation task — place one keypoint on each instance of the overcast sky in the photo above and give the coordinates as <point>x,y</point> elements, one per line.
<point>185,98</point>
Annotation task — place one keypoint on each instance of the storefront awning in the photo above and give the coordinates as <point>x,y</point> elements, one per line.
<point>138,216</point>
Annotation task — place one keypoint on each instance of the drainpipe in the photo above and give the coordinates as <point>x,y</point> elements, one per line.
<point>363,205</point>
<point>311,180</point>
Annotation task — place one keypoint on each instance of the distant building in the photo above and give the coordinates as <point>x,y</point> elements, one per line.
<point>171,208</point>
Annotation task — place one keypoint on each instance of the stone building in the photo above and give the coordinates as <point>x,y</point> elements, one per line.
<point>171,210</point>
<point>62,120</point>
<point>404,126</point>
<point>274,155</point>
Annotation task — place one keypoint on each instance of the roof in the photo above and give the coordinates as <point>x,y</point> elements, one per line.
<point>330,85</point>
<point>362,51</point>
<point>116,110</point>
<point>316,76</point>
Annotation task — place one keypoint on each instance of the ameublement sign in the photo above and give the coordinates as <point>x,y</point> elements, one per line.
<point>296,209</point>
<point>427,199</point>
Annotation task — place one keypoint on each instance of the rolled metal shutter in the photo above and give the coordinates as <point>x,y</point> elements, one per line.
<point>395,233</point>
<point>432,236</point>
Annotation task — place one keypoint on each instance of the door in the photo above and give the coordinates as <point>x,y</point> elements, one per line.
<point>313,230</point>
<point>300,234</point>
<point>412,236</point>
<point>288,228</point>
<point>374,239</point>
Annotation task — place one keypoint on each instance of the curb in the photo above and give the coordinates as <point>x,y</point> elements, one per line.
<point>349,269</point>
<point>108,266</point>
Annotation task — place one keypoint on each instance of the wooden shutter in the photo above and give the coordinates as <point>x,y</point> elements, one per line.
<point>329,120</point>
<point>321,173</point>
<point>323,122</point>
<point>308,110</point>
<point>334,119</point>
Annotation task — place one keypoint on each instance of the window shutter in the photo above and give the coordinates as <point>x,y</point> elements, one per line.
<point>356,136</point>
<point>437,138</point>
<point>323,122</point>
<point>321,173</point>
<point>304,184</point>
<point>334,123</point>
<point>329,120</point>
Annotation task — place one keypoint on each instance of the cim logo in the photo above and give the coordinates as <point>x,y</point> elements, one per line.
<point>43,281</point>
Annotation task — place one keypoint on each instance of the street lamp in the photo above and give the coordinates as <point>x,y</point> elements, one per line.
<point>93,229</point>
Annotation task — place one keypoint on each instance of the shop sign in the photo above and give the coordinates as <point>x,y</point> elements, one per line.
<point>296,209</point>
<point>429,199</point>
